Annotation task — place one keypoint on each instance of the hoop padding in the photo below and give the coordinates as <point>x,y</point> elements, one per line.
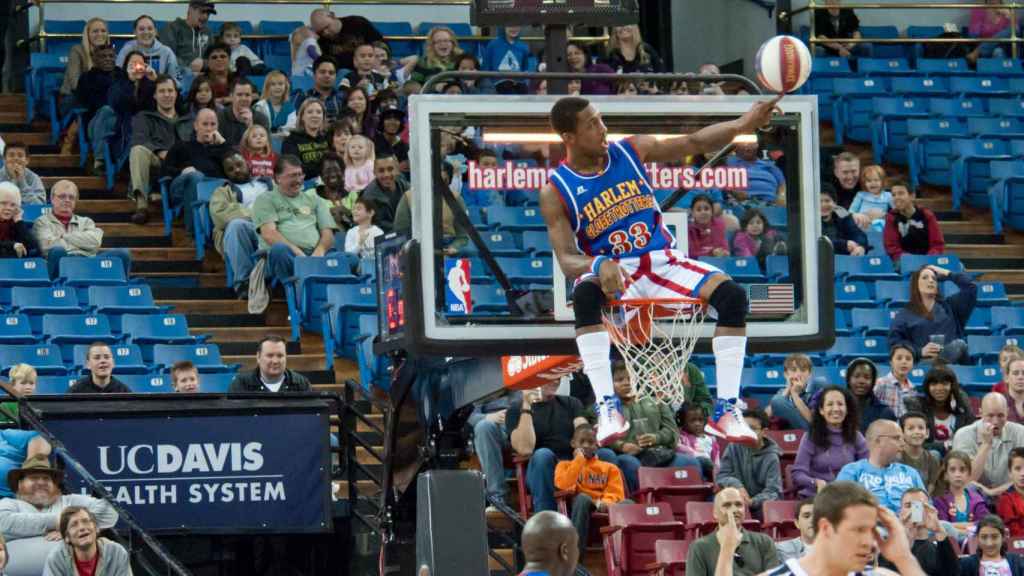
<point>655,339</point>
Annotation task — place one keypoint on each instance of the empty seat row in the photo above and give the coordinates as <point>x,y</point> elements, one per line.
<point>139,383</point>
<point>48,359</point>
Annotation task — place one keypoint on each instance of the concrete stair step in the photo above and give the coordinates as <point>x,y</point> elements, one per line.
<point>80,181</point>
<point>119,204</point>
<point>972,226</point>
<point>28,138</point>
<point>183,279</point>
<point>985,250</point>
<point>164,254</point>
<point>67,161</point>
<point>364,487</point>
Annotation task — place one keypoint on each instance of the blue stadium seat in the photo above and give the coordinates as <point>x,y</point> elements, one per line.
<point>476,216</point>
<point>889,126</point>
<point>45,358</point>
<point>1006,196</point>
<point>205,356</point>
<point>884,50</point>
<point>1000,67</point>
<point>869,268</point>
<point>972,159</point>
<point>339,318</point>
<point>847,348</point>
<point>202,226</point>
<point>985,349</point>
<point>127,358</point>
<point>842,323</point>
<point>831,374</point>
<point>777,268</point>
<point>943,67</point>
<point>54,385</point>
<point>127,299</point>
<point>21,272</point>
<point>852,295</point>
<point>35,301</point>
<point>871,321</point>
<point>94,271</point>
<point>500,243</point>
<point>66,330</point>
<point>853,106</point>
<point>930,148</point>
<point>306,290</point>
<point>884,67</point>
<point>16,329</point>
<point>918,86</point>
<point>1016,85</point>
<point>992,294</point>
<point>148,383</point>
<point>1008,320</point>
<point>146,330</point>
<point>977,379</point>
<point>277,47</point>
<point>824,71</point>
<point>215,383</point>
<point>978,86</point>
<point>980,322</point>
<point>32,212</point>
<point>43,79</point>
<point>836,66</point>
<point>537,243</point>
<point>516,218</point>
<point>399,48</point>
<point>910,263</point>
<point>762,379</point>
<point>957,107</point>
<point>741,269</point>
<point>527,270</point>
<point>373,368</point>
<point>1009,107</point>
<point>300,83</point>
<point>1002,128</point>
<point>893,293</point>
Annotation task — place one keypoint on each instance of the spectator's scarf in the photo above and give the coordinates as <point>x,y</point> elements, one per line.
<point>65,220</point>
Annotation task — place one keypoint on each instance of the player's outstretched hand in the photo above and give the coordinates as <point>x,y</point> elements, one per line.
<point>759,115</point>
<point>611,279</point>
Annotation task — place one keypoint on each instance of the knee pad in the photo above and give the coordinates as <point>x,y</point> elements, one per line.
<point>587,300</point>
<point>730,301</point>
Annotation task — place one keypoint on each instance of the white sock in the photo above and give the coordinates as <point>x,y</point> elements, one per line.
<point>729,352</point>
<point>595,349</point>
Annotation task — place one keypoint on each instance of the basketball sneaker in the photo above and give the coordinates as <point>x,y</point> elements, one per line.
<point>611,424</point>
<point>728,424</point>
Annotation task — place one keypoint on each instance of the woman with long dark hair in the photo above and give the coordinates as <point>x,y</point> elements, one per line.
<point>945,404</point>
<point>832,442</point>
<point>932,325</point>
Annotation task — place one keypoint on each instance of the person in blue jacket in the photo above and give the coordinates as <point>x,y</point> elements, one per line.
<point>506,53</point>
<point>992,557</point>
<point>931,325</point>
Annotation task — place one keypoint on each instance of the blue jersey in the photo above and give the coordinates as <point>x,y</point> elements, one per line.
<point>615,212</point>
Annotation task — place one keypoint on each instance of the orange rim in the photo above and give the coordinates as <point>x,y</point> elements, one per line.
<point>656,301</point>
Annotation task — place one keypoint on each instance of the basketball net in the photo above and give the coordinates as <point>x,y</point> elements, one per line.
<point>655,338</point>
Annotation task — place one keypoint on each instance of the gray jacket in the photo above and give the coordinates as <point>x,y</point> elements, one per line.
<point>757,470</point>
<point>385,202</point>
<point>113,561</point>
<point>19,519</point>
<point>186,42</point>
<point>30,184</point>
<point>157,132</point>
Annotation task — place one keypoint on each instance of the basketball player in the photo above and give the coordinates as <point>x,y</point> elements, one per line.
<point>607,233</point>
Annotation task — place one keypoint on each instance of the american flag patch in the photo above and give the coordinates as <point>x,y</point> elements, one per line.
<point>770,299</point>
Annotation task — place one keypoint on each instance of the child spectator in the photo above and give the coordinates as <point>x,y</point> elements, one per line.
<point>275,102</point>
<point>363,75</point>
<point>861,375</point>
<point>895,388</point>
<point>992,558</point>
<point>200,95</point>
<point>231,35</point>
<point>1008,352</point>
<point>597,485</point>
<point>956,498</point>
<point>910,228</point>
<point>626,88</point>
<point>1010,505</point>
<point>16,171</point>
<point>945,404</point>
<point>706,232</point>
<point>915,433</point>
<point>389,136</point>
<point>792,403</point>
<point>755,472</point>
<point>694,441</point>
<point>756,238</point>
<point>1015,390</point>
<point>359,158</point>
<point>360,238</point>
<point>838,226</point>
<point>507,53</point>
<point>872,203</point>
<point>305,51</point>
<point>398,71</point>
<point>357,104</point>
<point>258,153</point>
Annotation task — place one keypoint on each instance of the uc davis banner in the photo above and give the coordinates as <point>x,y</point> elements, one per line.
<point>209,473</point>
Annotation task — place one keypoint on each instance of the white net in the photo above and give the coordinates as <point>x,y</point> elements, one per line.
<point>655,339</point>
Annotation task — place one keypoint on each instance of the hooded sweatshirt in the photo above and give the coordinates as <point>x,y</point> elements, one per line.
<point>815,462</point>
<point>186,42</point>
<point>167,61</point>
<point>756,469</point>
<point>113,561</point>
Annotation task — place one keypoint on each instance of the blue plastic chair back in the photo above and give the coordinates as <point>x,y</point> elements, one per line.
<point>91,271</point>
<point>957,107</point>
<point>919,86</point>
<point>1001,67</point>
<point>884,66</point>
<point>910,263</point>
<point>156,328</point>
<point>16,329</point>
<point>148,383</point>
<point>893,293</point>
<point>206,357</point>
<point>977,85</point>
<point>54,385</point>
<point>943,66</point>
<point>45,358</point>
<point>127,358</point>
<point>45,299</point>
<point>216,383</point>
<point>122,299</point>
<point>830,66</point>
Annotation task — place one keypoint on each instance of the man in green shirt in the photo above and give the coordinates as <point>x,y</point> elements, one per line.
<point>291,221</point>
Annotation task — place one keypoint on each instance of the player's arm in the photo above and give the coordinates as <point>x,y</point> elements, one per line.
<point>573,263</point>
<point>706,140</point>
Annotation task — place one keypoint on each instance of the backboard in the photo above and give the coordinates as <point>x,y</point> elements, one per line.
<point>455,302</point>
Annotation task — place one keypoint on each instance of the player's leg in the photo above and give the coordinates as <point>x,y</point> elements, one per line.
<point>595,350</point>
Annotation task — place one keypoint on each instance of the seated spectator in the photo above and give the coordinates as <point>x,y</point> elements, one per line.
<point>359,161</point>
<point>881,473</point>
<point>845,178</point>
<point>945,404</point>
<point>325,89</point>
<point>452,239</point>
<point>60,232</point>
<point>158,56</point>
<point>628,53</point>
<point>308,141</point>
<point>542,427</point>
<point>29,517</point>
<point>338,134</point>
<point>185,377</point>
<point>955,496</point>
<point>757,238</point>
<point>930,543</point>
<point>99,362</point>
<point>439,52</point>
<point>22,383</point>
<point>189,162</point>
<point>792,403</point>
<point>187,36</point>
<point>218,70</point>
<point>338,37</point>
<point>483,197</point>
<point>837,24</point>
<point>706,230</point>
<point>84,551</point>
<point>795,548</point>
<point>595,485</point>
<point>749,552</point>
<point>507,53</point>
<point>82,58</point>
<point>129,94</point>
<point>694,441</point>
<point>231,35</point>
<point>16,171</point>
<point>1007,353</point>
<point>16,239</point>
<point>861,375</point>
<point>332,190</point>
<point>275,102</point>
<point>291,222</point>
<point>932,325</point>
<point>914,454</point>
<point>895,388</point>
<point>305,50</point>
<point>237,116</point>
<point>490,440</point>
<point>154,133</point>
<point>1010,506</point>
<point>909,228</point>
<point>832,441</point>
<point>258,153</point>
<point>1015,389</point>
<point>200,95</point>
<point>872,203</point>
<point>838,226</point>
<point>579,60</point>
<point>755,472</point>
<point>234,234</point>
<point>360,238</point>
<point>398,70</point>
<point>467,62</point>
<point>272,373</point>
<point>389,137</point>
<point>652,436</point>
<point>94,84</point>
<point>766,185</point>
<point>989,23</point>
<point>992,556</point>
<point>364,75</point>
<point>357,104</point>
<point>17,446</point>
<point>989,441</point>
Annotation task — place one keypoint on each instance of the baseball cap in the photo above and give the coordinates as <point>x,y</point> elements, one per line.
<point>206,5</point>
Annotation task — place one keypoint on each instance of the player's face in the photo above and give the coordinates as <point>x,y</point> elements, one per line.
<point>851,543</point>
<point>591,136</point>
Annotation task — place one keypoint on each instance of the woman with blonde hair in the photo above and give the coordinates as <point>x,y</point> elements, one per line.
<point>275,101</point>
<point>439,53</point>
<point>627,51</point>
<point>94,34</point>
<point>308,140</point>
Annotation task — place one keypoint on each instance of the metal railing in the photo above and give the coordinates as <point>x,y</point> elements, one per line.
<point>1013,40</point>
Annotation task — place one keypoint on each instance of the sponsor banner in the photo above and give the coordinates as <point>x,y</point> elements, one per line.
<point>526,372</point>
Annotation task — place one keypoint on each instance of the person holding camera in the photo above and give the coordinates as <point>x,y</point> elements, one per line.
<point>933,326</point>
<point>930,544</point>
<point>881,472</point>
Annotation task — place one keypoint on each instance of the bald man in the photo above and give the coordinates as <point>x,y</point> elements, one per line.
<point>880,473</point>
<point>989,441</point>
<point>188,162</point>
<point>748,552</point>
<point>339,37</point>
<point>550,545</point>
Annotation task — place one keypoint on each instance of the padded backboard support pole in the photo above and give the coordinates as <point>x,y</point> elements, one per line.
<point>556,38</point>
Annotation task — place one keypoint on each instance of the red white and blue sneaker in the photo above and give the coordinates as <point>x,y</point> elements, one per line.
<point>728,424</point>
<point>611,424</point>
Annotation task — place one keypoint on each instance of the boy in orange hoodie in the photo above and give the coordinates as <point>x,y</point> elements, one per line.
<point>596,484</point>
<point>1010,505</point>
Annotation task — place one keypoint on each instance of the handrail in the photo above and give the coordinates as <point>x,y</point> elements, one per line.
<point>326,3</point>
<point>457,74</point>
<point>905,5</point>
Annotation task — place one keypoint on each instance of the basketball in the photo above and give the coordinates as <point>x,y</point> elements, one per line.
<point>783,64</point>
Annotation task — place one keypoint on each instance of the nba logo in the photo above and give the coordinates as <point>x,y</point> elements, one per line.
<point>457,296</point>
